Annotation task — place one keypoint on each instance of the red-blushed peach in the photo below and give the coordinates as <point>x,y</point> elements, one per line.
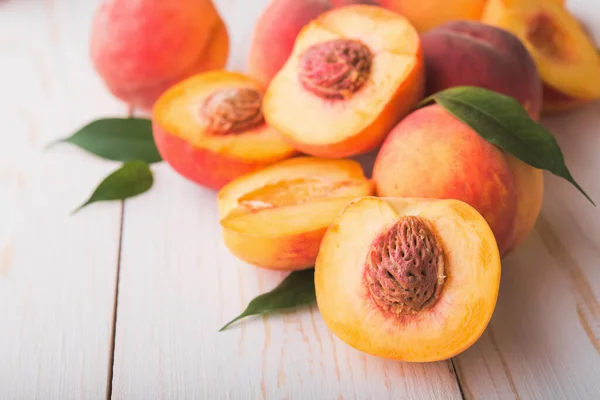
<point>408,279</point>
<point>431,154</point>
<point>469,53</point>
<point>140,48</point>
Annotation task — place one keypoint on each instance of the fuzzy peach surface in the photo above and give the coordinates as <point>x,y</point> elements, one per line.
<point>467,300</point>
<point>357,124</point>
<point>434,155</point>
<point>469,53</point>
<point>141,48</point>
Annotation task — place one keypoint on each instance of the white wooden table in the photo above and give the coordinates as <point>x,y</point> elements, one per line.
<point>125,301</point>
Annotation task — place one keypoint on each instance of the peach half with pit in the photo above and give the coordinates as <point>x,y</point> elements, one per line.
<point>565,55</point>
<point>408,279</point>
<point>275,218</point>
<point>354,72</point>
<point>210,128</point>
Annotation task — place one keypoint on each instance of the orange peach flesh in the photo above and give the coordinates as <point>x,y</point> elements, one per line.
<point>452,324</point>
<point>566,57</point>
<point>339,128</point>
<point>264,214</point>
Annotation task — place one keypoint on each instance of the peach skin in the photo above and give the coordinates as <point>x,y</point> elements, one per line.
<point>141,48</point>
<point>431,154</point>
<point>210,128</point>
<point>275,218</point>
<point>469,53</point>
<point>408,279</point>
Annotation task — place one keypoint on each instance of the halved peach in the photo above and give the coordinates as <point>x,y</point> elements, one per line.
<point>565,55</point>
<point>210,128</point>
<point>354,72</point>
<point>408,279</point>
<point>275,218</point>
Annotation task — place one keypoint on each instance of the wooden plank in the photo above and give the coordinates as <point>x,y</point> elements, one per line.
<point>544,338</point>
<point>57,272</point>
<point>179,284</point>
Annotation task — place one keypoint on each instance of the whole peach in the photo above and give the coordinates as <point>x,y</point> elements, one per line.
<point>427,14</point>
<point>276,32</point>
<point>432,154</point>
<point>468,53</point>
<point>142,47</point>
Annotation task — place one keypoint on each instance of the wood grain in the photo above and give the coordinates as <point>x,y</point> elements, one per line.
<point>57,273</point>
<point>178,284</point>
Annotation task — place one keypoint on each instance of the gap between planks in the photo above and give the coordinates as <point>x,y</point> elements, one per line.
<point>457,377</point>
<point>113,334</point>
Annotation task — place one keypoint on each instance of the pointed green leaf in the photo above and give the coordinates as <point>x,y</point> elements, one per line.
<point>502,121</point>
<point>118,139</point>
<point>132,179</point>
<point>297,289</point>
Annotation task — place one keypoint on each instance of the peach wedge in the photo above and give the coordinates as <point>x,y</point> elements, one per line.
<point>275,218</point>
<point>408,279</point>
<point>354,72</point>
<point>565,55</point>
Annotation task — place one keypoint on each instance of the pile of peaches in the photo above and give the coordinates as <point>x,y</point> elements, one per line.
<point>407,262</point>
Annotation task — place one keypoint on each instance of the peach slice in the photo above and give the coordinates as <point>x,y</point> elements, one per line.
<point>275,218</point>
<point>408,279</point>
<point>354,72</point>
<point>565,55</point>
<point>210,128</point>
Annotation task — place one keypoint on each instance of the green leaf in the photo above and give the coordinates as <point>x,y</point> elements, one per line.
<point>502,121</point>
<point>132,179</point>
<point>118,139</point>
<point>297,289</point>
